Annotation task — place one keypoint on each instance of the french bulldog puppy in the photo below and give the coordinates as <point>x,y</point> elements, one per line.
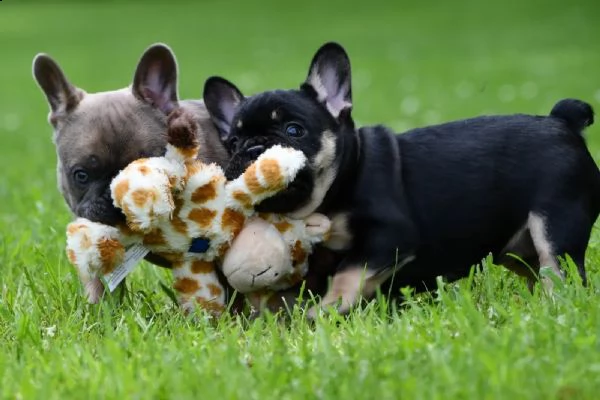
<point>431,202</point>
<point>97,134</point>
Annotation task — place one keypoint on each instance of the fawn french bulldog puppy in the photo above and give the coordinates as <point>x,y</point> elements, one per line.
<point>97,134</point>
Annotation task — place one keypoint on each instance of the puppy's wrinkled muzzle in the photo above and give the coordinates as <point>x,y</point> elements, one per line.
<point>237,165</point>
<point>255,151</point>
<point>101,211</point>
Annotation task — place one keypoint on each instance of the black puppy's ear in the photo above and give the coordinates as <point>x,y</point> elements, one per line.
<point>155,79</point>
<point>330,78</point>
<point>221,98</point>
<point>62,96</point>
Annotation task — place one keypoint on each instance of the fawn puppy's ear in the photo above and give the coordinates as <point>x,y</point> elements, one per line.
<point>155,78</point>
<point>62,96</point>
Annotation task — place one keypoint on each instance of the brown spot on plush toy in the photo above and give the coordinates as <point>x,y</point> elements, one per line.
<point>202,216</point>
<point>202,267</point>
<point>206,192</point>
<point>111,253</point>
<point>154,238</point>
<point>271,173</point>
<point>186,285</point>
<point>121,189</point>
<point>214,290</point>
<point>233,221</point>
<point>242,198</point>
<point>142,196</point>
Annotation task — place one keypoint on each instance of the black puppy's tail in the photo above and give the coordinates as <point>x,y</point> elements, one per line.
<point>577,114</point>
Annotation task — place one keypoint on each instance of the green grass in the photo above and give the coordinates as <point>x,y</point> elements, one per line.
<point>485,337</point>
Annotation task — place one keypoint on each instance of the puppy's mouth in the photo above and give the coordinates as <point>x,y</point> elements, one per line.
<point>236,167</point>
<point>100,208</point>
<point>242,160</point>
<point>108,215</point>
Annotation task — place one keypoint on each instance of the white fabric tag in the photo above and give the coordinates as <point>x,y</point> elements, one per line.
<point>133,256</point>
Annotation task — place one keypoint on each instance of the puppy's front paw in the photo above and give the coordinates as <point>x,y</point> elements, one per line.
<point>318,226</point>
<point>94,290</point>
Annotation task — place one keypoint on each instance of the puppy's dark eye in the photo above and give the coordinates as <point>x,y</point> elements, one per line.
<point>294,130</point>
<point>81,177</point>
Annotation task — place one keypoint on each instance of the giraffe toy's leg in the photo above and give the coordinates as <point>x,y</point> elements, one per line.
<point>197,285</point>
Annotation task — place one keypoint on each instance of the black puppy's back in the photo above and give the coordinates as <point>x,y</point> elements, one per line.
<point>470,185</point>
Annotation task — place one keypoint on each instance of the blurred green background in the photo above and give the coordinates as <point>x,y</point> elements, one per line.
<point>414,63</point>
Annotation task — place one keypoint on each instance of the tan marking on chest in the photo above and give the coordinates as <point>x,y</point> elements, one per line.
<point>233,220</point>
<point>206,192</point>
<point>186,285</point>
<point>202,216</point>
<point>202,267</point>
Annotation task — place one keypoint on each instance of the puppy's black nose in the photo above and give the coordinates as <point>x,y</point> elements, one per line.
<point>255,151</point>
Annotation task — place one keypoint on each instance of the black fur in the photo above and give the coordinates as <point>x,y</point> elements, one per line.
<point>448,194</point>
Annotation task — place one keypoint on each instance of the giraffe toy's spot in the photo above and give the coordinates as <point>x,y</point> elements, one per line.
<point>120,190</point>
<point>271,173</point>
<point>206,192</point>
<point>232,221</point>
<point>186,285</point>
<point>283,226</point>
<point>242,198</point>
<point>202,267</point>
<point>214,290</point>
<point>140,197</point>
<point>202,216</point>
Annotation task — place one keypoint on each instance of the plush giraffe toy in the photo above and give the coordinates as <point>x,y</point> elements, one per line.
<point>169,201</point>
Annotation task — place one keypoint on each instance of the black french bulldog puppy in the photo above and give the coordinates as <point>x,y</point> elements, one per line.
<point>431,202</point>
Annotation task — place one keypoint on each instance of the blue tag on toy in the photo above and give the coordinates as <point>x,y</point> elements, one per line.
<point>199,245</point>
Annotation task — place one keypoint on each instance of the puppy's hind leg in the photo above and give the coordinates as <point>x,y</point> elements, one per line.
<point>561,232</point>
<point>521,257</point>
<point>352,283</point>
